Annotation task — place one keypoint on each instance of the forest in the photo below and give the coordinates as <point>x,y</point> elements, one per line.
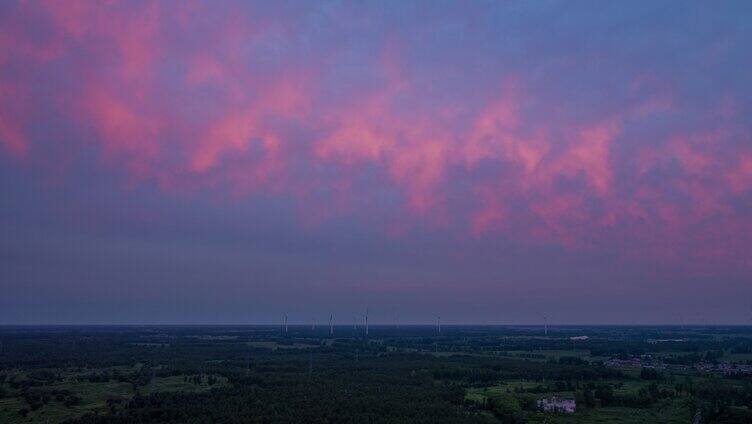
<point>405,374</point>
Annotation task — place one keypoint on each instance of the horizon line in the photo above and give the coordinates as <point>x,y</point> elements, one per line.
<point>391,325</point>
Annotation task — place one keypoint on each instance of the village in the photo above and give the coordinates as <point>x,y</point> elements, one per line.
<point>647,361</point>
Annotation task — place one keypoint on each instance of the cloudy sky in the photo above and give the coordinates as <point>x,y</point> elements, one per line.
<point>227,162</point>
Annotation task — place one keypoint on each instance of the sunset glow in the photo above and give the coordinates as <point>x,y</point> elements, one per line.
<point>473,157</point>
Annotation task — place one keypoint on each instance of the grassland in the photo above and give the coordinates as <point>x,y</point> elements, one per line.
<point>95,397</point>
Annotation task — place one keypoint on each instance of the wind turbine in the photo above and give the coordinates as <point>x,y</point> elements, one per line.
<point>285,323</point>
<point>545,322</point>
<point>313,325</point>
<point>366,322</point>
<point>438,324</point>
<point>331,324</point>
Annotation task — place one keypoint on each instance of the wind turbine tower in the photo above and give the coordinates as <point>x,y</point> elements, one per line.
<point>438,324</point>
<point>331,324</point>
<point>545,323</point>
<point>285,324</point>
<point>366,321</point>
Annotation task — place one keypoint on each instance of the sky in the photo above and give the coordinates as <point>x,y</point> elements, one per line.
<point>197,162</point>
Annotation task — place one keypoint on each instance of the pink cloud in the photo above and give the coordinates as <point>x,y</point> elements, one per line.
<point>12,108</point>
<point>233,111</point>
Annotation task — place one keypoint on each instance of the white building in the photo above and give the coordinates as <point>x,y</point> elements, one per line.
<point>554,404</point>
<point>579,338</point>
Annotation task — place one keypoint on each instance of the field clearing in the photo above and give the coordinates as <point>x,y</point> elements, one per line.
<point>95,396</point>
<point>481,394</point>
<point>736,357</point>
<point>275,345</point>
<point>670,413</point>
<point>9,409</point>
<point>548,354</point>
<point>667,411</point>
<point>177,384</point>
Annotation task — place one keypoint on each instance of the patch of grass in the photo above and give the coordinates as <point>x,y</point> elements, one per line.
<point>9,410</point>
<point>736,357</point>
<point>545,355</point>
<point>94,396</point>
<point>177,384</point>
<point>275,345</point>
<point>480,394</point>
<point>669,412</point>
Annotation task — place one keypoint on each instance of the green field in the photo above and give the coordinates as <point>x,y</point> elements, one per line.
<point>676,410</point>
<point>94,395</point>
